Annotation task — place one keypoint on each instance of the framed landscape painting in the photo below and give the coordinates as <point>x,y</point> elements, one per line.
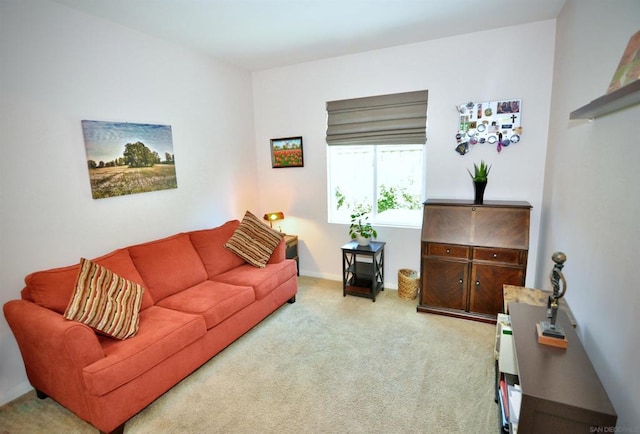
<point>286,152</point>
<point>125,158</point>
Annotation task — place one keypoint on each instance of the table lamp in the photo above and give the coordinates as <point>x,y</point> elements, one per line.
<point>273,216</point>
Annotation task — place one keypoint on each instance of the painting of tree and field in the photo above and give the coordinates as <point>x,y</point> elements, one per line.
<point>125,158</point>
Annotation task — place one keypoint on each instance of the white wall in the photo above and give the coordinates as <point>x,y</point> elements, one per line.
<point>60,66</point>
<point>512,62</point>
<point>65,66</point>
<point>591,197</point>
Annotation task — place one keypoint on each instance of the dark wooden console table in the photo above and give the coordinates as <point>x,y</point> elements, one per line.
<point>561,392</point>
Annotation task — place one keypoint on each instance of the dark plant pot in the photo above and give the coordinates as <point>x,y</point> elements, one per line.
<point>479,187</point>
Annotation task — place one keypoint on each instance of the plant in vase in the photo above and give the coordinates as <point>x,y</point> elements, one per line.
<point>360,229</point>
<point>481,172</point>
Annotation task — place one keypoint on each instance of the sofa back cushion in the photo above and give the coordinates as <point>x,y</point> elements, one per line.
<point>209,243</point>
<point>280,253</point>
<point>53,288</point>
<point>168,265</point>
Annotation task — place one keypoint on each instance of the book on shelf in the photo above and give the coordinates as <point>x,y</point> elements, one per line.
<point>504,421</point>
<point>514,397</point>
<point>504,398</point>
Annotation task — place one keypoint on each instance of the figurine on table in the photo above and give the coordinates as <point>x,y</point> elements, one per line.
<point>549,328</point>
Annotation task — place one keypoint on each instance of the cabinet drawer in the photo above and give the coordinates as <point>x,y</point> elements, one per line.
<point>451,250</point>
<point>510,256</point>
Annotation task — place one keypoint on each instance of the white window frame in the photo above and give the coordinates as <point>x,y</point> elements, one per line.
<point>379,220</point>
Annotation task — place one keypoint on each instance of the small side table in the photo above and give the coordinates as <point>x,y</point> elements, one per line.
<point>363,278</point>
<point>292,249</point>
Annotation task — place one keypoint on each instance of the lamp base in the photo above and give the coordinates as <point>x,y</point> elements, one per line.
<point>551,331</point>
<point>548,340</point>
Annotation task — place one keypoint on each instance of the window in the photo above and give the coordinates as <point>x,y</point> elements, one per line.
<point>385,180</point>
<point>376,158</point>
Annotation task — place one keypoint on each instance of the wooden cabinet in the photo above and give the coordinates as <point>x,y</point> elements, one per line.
<point>468,252</point>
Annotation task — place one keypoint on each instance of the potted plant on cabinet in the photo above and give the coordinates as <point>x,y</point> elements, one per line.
<point>481,172</point>
<point>360,229</point>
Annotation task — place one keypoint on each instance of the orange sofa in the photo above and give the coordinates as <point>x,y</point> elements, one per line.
<point>198,298</point>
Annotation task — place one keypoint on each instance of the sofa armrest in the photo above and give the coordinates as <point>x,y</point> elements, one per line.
<point>54,349</point>
<point>279,254</point>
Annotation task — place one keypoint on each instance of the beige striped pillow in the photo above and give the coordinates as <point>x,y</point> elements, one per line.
<point>253,241</point>
<point>105,301</point>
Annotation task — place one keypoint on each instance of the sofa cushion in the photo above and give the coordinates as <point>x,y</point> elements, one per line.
<point>263,280</point>
<point>168,265</point>
<point>253,241</point>
<point>162,333</point>
<point>215,301</point>
<point>280,253</point>
<point>209,244</point>
<point>53,288</point>
<point>105,301</point>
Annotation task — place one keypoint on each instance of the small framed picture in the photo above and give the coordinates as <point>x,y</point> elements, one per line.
<point>286,152</point>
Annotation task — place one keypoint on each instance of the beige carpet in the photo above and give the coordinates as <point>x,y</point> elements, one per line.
<point>326,364</point>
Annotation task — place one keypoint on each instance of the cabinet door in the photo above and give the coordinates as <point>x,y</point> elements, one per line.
<point>486,286</point>
<point>446,224</point>
<point>501,227</point>
<point>444,283</point>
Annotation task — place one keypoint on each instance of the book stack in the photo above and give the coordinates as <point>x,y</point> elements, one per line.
<point>508,392</point>
<point>509,398</point>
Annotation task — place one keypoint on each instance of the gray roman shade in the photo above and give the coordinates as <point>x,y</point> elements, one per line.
<point>399,119</point>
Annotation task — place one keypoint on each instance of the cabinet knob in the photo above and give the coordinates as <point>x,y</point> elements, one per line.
<point>495,255</point>
<point>460,281</point>
<point>448,251</point>
<point>477,283</point>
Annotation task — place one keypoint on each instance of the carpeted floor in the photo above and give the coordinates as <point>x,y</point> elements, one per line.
<point>326,364</point>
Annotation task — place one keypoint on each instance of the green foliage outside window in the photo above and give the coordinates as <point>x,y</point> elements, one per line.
<point>355,207</point>
<point>388,198</point>
<point>396,198</point>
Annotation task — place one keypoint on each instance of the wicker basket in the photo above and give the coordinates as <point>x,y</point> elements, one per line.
<point>408,283</point>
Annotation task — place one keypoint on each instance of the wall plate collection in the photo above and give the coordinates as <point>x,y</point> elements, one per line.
<point>493,122</point>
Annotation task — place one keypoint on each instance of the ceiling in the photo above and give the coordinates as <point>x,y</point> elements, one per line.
<point>262,34</point>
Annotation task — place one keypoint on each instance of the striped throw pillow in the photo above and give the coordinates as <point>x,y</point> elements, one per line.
<point>105,301</point>
<point>253,241</point>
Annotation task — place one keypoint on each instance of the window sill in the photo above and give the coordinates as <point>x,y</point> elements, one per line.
<point>402,219</point>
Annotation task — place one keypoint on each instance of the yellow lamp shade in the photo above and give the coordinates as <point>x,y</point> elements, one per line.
<point>273,216</point>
